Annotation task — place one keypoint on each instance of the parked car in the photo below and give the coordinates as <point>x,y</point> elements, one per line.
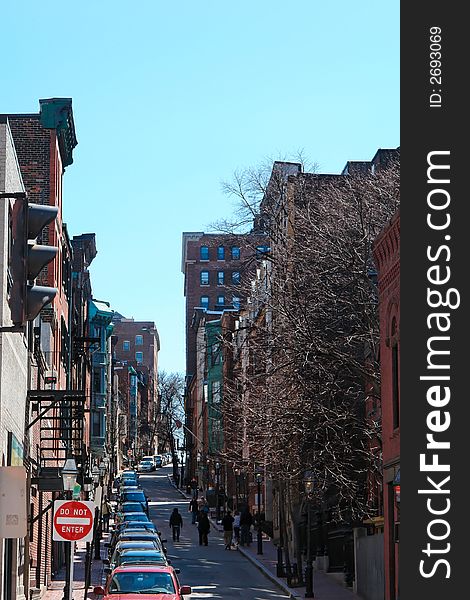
<point>142,557</point>
<point>135,494</point>
<point>137,535</point>
<point>151,459</point>
<point>133,506</point>
<point>150,582</point>
<point>131,516</point>
<point>146,466</point>
<point>126,527</point>
<point>123,545</point>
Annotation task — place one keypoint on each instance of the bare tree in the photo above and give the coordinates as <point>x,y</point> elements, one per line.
<point>308,339</point>
<point>171,392</point>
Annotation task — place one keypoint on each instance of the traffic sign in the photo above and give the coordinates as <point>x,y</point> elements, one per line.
<point>73,521</point>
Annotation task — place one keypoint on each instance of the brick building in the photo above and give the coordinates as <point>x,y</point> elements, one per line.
<point>135,346</point>
<point>387,256</point>
<point>13,368</point>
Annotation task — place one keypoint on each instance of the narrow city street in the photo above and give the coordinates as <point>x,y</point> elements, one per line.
<point>211,571</point>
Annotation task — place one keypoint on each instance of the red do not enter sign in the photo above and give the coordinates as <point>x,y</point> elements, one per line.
<point>73,521</point>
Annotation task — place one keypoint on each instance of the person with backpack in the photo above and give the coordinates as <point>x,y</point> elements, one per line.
<point>176,523</point>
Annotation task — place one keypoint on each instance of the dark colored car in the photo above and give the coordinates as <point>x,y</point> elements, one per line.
<point>123,545</point>
<point>134,494</point>
<point>145,582</point>
<point>126,507</point>
<point>141,557</point>
<point>131,516</point>
<point>143,536</point>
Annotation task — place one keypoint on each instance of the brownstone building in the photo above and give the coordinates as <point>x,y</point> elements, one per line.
<point>387,256</point>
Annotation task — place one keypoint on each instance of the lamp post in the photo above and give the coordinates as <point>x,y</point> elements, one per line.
<point>237,486</point>
<point>259,479</point>
<point>217,485</point>
<point>69,477</point>
<point>309,484</point>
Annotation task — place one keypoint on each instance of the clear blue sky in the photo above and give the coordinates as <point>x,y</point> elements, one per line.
<point>170,98</point>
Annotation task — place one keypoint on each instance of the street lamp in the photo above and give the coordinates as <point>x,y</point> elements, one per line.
<point>95,473</point>
<point>309,483</point>
<point>237,486</point>
<point>259,479</point>
<point>217,484</point>
<point>69,477</point>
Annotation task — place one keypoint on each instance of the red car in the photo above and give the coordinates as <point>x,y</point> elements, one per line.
<point>144,582</point>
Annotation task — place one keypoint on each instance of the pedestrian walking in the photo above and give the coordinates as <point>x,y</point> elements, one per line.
<point>246,521</point>
<point>193,485</point>
<point>227,524</point>
<point>106,513</point>
<point>176,523</point>
<point>236,526</point>
<point>203,527</point>
<point>193,509</point>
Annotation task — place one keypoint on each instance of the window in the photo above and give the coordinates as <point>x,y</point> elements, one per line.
<point>204,301</point>
<point>395,376</point>
<point>204,277</point>
<point>126,345</point>
<point>216,392</point>
<point>221,300</point>
<point>236,277</point>
<point>235,253</point>
<point>236,302</point>
<point>220,278</point>
<point>204,252</point>
<point>139,357</point>
<point>216,354</point>
<point>262,251</point>
<point>95,424</point>
<point>220,253</point>
<point>139,340</point>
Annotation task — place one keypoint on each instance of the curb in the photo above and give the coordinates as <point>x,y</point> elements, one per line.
<point>280,584</point>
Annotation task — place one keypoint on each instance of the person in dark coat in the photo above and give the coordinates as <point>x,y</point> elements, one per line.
<point>227,524</point>
<point>246,521</point>
<point>193,509</point>
<point>203,526</point>
<point>176,522</point>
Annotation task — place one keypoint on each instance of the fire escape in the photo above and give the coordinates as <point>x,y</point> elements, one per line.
<point>61,418</point>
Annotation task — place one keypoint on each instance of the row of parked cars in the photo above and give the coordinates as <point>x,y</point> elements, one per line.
<point>137,560</point>
<point>151,463</point>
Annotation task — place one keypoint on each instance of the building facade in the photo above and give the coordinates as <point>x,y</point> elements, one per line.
<point>387,256</point>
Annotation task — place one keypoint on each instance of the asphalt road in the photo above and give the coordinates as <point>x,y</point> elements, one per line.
<point>211,571</point>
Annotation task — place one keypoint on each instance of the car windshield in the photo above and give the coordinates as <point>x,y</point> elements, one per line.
<point>141,557</point>
<point>131,507</point>
<point>133,497</point>
<point>141,583</point>
<point>135,516</point>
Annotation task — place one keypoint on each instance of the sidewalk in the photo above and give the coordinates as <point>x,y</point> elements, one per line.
<point>325,585</point>
<point>56,588</point>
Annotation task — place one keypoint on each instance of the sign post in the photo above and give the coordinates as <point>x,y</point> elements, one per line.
<point>72,521</point>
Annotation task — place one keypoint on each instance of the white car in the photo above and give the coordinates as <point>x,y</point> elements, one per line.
<point>145,465</point>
